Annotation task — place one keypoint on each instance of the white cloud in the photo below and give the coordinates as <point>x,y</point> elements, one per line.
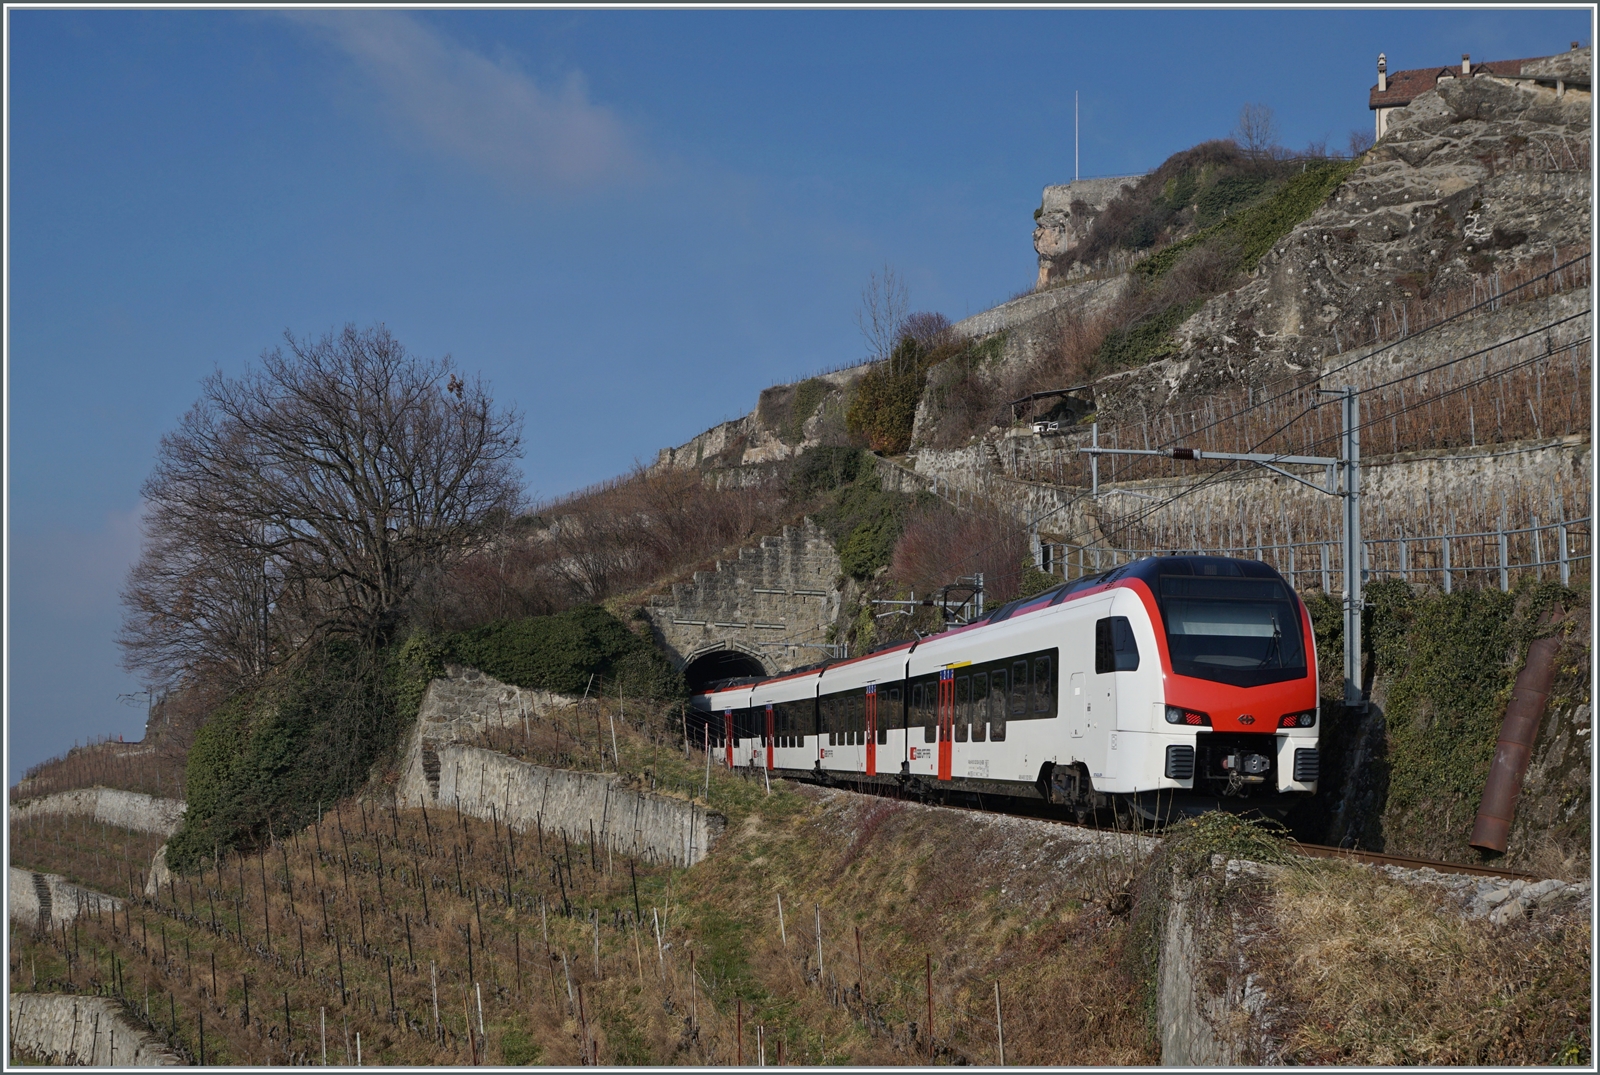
<point>486,112</point>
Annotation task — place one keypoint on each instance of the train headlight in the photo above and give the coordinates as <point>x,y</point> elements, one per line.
<point>1177,714</point>
<point>1297,720</point>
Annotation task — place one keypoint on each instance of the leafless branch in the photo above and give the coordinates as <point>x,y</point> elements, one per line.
<point>310,496</point>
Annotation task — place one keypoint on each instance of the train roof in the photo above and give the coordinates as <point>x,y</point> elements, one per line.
<point>1147,570</point>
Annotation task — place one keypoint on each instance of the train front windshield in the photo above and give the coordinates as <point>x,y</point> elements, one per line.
<point>1245,632</point>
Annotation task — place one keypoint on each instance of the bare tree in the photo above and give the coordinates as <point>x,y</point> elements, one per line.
<point>1257,132</point>
<point>882,313</point>
<point>1360,141</point>
<point>308,497</point>
<point>929,329</point>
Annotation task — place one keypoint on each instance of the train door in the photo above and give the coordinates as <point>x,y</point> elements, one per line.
<point>1077,703</point>
<point>770,732</point>
<point>727,734</point>
<point>872,729</point>
<point>1102,714</point>
<point>947,699</point>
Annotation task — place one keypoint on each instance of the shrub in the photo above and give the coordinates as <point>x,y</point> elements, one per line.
<point>785,408</point>
<point>1159,203</point>
<point>619,538</point>
<point>268,757</point>
<point>861,519</point>
<point>867,522</point>
<point>561,652</point>
<point>964,391</point>
<point>824,469</point>
<point>940,544</point>
<point>885,403</point>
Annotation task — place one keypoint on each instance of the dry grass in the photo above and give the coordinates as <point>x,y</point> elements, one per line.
<point>1377,973</point>
<point>150,768</point>
<point>985,899</point>
<point>102,857</point>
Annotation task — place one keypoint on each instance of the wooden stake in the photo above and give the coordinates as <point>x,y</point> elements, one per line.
<point>819,944</point>
<point>638,959</point>
<point>861,975</point>
<point>928,972</point>
<point>999,1027</point>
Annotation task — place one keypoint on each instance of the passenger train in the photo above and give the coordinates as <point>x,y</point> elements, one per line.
<point>1171,684</point>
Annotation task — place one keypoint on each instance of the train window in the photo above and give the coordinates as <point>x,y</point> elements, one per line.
<point>1019,688</point>
<point>963,707</point>
<point>1044,685</point>
<point>997,705</point>
<point>980,711</point>
<point>923,697</point>
<point>888,714</point>
<point>1114,647</point>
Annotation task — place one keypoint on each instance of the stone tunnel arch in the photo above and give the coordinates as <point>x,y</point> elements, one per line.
<point>723,660</point>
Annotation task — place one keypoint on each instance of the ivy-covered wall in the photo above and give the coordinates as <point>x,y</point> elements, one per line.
<point>1407,775</point>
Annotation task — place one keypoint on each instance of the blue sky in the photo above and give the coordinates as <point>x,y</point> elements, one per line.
<point>629,222</point>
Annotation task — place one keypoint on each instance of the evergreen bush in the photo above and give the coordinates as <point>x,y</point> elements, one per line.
<point>561,652</point>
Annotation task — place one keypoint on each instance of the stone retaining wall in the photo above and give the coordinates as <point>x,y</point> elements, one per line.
<point>582,805</point>
<point>72,1031</point>
<point>109,806</point>
<point>443,768</point>
<point>1397,488</point>
<point>39,899</point>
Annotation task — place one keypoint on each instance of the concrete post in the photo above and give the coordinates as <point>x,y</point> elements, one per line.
<point>1353,547</point>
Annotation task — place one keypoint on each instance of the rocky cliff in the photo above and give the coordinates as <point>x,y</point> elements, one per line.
<point>1475,177</point>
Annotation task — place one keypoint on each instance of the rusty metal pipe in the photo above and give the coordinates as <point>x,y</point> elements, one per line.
<point>1512,751</point>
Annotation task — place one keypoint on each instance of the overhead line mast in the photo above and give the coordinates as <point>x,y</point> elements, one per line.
<point>1347,464</point>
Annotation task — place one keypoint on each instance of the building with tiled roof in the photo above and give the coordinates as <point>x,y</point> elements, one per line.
<point>1401,88</point>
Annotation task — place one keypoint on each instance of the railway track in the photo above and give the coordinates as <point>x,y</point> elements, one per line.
<point>1042,812</point>
<point>1372,858</point>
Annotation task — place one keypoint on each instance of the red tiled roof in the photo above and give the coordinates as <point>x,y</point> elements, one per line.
<point>1405,86</point>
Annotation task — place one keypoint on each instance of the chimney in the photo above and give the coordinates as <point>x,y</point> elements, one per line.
<point>1383,73</point>
<point>1466,65</point>
<point>1574,46</point>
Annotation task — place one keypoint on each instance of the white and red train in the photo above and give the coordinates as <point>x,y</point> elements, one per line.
<point>1169,683</point>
